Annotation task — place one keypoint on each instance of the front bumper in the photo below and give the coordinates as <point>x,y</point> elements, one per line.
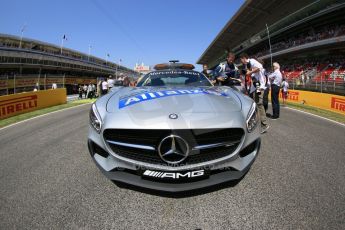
<point>231,169</point>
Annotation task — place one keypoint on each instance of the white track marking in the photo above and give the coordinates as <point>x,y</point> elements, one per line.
<point>314,115</point>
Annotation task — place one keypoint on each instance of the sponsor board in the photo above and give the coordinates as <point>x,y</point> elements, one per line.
<point>15,104</point>
<point>3,84</point>
<point>292,96</point>
<point>338,104</point>
<point>326,101</point>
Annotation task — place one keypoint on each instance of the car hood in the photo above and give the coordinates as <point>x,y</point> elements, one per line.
<point>182,100</point>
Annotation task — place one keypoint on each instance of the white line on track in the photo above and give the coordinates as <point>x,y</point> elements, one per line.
<point>314,115</point>
<point>19,122</point>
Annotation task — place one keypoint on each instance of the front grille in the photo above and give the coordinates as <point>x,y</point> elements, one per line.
<point>195,137</point>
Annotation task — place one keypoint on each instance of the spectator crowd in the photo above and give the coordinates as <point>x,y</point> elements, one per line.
<point>311,35</point>
<point>104,86</point>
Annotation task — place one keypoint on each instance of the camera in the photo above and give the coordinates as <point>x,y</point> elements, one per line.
<point>256,84</point>
<point>224,76</point>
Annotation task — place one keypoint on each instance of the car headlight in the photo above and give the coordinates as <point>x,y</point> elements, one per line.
<point>252,118</point>
<point>95,119</point>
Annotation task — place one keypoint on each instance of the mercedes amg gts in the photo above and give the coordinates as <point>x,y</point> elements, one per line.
<point>175,131</point>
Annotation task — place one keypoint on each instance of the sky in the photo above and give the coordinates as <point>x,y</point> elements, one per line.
<point>148,31</point>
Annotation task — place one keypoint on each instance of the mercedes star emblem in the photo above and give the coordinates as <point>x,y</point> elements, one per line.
<point>173,116</point>
<point>173,149</point>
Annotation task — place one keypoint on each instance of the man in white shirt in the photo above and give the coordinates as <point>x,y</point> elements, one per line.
<point>104,87</point>
<point>276,80</point>
<point>110,82</point>
<point>255,69</point>
<point>85,90</point>
<point>285,86</point>
<point>89,91</point>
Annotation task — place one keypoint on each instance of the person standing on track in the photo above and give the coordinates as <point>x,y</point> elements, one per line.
<point>85,90</point>
<point>285,88</point>
<point>80,91</point>
<point>89,91</point>
<point>110,83</point>
<point>126,81</point>
<point>258,86</point>
<point>99,88</point>
<point>206,72</point>
<point>268,86</point>
<point>276,80</point>
<point>104,86</point>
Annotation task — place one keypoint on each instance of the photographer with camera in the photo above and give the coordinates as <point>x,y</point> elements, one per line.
<point>257,87</point>
<point>226,73</point>
<point>247,79</point>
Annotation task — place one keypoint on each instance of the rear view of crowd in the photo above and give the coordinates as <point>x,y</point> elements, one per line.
<point>103,86</point>
<point>89,91</point>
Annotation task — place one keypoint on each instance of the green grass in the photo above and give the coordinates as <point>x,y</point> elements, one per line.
<point>39,112</point>
<point>317,111</point>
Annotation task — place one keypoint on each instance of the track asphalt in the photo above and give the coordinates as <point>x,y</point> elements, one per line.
<point>49,181</point>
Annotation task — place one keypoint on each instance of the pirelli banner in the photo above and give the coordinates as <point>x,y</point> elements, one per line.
<point>15,104</point>
<point>331,102</point>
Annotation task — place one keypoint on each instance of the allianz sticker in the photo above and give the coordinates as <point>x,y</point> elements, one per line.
<point>152,95</point>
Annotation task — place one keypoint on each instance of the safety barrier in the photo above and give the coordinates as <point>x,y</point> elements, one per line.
<point>326,101</point>
<point>15,104</point>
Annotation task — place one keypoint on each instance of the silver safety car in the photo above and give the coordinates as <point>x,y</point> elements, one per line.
<point>175,131</point>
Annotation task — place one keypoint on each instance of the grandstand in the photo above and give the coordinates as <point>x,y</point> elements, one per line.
<point>27,63</point>
<point>307,39</point>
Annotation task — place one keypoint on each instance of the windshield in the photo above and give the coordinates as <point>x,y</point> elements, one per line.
<point>174,78</point>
